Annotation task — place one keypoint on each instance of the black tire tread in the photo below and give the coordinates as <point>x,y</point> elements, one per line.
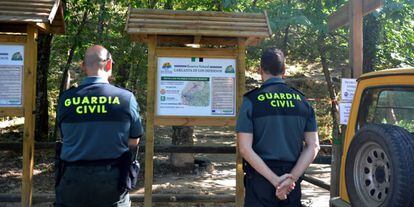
<point>401,145</point>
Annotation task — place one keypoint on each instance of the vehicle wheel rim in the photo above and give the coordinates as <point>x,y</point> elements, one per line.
<point>372,174</point>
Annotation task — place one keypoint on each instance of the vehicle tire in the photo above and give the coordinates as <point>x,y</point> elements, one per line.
<point>379,167</point>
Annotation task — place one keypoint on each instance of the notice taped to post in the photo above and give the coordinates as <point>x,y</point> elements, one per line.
<point>196,87</point>
<point>11,75</point>
<point>345,111</point>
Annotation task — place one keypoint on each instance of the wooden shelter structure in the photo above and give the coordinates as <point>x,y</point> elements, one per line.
<point>20,23</point>
<point>193,34</point>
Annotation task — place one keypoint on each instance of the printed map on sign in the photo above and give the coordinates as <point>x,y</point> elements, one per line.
<point>196,93</point>
<point>196,87</point>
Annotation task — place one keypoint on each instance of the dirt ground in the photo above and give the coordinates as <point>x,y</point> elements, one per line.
<point>220,181</point>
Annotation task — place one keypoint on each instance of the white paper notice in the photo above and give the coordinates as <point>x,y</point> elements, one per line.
<point>348,87</point>
<point>344,111</point>
<point>11,75</point>
<point>196,87</point>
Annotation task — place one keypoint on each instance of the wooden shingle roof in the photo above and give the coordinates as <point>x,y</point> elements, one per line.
<point>46,14</point>
<point>198,23</point>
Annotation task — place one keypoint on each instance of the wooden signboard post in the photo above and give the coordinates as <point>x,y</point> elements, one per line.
<point>20,24</point>
<point>351,13</point>
<point>216,64</point>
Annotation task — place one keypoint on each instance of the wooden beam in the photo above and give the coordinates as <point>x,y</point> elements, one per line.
<point>30,63</point>
<point>240,83</point>
<point>177,13</point>
<point>187,39</point>
<point>198,18</point>
<point>142,22</point>
<point>11,112</point>
<point>12,38</point>
<point>268,24</point>
<point>317,182</point>
<point>54,11</point>
<point>17,146</point>
<point>135,198</point>
<point>356,40</point>
<point>13,28</point>
<point>341,17</point>
<point>203,32</point>
<point>200,52</point>
<point>197,39</point>
<point>252,41</point>
<point>139,38</point>
<point>195,121</point>
<point>44,27</point>
<point>59,28</point>
<point>149,138</point>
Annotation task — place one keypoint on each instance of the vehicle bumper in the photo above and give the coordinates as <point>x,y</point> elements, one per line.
<point>338,202</point>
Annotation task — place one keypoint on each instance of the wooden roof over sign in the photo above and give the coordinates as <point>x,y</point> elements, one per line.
<point>143,22</point>
<point>46,14</point>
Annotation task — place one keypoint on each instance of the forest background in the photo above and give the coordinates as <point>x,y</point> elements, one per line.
<point>317,58</point>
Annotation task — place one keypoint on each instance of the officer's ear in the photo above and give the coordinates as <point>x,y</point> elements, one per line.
<point>108,65</point>
<point>83,66</point>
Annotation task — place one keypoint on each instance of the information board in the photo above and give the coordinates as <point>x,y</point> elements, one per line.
<point>11,75</point>
<point>196,86</point>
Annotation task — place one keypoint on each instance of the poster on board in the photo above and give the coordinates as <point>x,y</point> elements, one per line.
<point>196,87</point>
<point>11,75</point>
<point>348,87</point>
<point>344,112</point>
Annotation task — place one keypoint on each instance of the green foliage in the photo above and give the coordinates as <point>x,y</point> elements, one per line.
<point>397,36</point>
<point>408,125</point>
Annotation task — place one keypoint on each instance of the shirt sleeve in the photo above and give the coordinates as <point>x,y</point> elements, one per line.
<point>244,121</point>
<point>311,125</point>
<point>136,130</point>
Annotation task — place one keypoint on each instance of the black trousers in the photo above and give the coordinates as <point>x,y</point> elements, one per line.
<point>91,186</point>
<point>259,192</point>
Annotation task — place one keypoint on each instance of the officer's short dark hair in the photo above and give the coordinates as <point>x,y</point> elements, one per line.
<point>273,61</point>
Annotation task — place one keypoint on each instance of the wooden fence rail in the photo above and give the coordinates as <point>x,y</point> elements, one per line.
<point>136,198</point>
<point>16,146</point>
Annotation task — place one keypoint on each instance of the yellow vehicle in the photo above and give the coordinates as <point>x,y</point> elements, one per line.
<point>377,165</point>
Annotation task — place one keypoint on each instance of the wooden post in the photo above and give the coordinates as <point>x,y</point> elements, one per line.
<point>30,62</point>
<point>149,146</point>
<point>356,40</point>
<point>240,82</point>
<point>351,13</point>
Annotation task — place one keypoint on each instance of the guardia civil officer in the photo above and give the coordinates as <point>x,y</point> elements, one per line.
<point>99,122</point>
<point>274,121</point>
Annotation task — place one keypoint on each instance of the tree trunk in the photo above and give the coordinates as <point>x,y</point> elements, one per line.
<point>101,21</point>
<point>42,104</point>
<point>122,75</point>
<point>371,37</point>
<point>254,4</point>
<point>152,4</point>
<point>168,4</point>
<point>220,5</point>
<point>65,76</point>
<point>286,34</point>
<point>286,40</point>
<point>182,135</point>
<point>336,149</point>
